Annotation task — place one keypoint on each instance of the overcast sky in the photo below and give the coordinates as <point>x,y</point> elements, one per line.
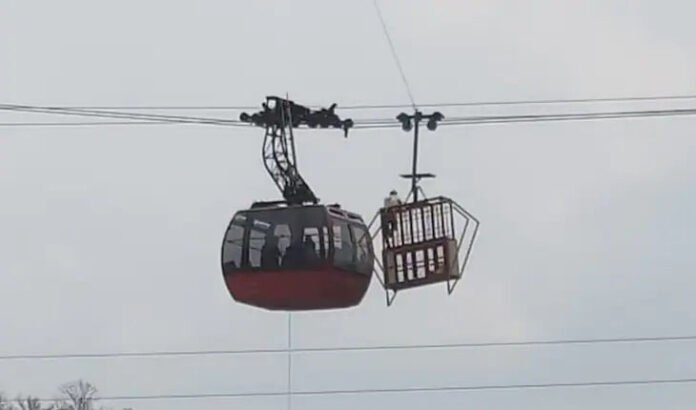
<point>110,236</point>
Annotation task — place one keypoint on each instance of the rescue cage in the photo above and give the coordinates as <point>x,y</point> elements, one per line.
<point>421,244</point>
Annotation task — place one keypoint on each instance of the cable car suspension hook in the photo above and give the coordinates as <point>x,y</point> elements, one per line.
<point>279,156</point>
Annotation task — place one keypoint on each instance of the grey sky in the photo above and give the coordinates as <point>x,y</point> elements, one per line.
<point>111,235</point>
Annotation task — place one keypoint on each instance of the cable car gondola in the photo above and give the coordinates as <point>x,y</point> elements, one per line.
<point>295,254</point>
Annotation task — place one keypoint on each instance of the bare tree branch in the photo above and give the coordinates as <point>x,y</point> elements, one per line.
<point>79,395</point>
<point>32,403</point>
<point>5,404</point>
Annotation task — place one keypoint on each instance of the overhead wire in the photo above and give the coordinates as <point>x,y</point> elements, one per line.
<point>484,103</point>
<point>445,346</point>
<point>433,389</point>
<point>366,123</point>
<point>394,54</point>
<point>524,118</point>
<point>142,119</point>
<point>84,123</point>
<point>569,116</point>
<point>162,107</point>
<point>481,103</point>
<point>121,115</point>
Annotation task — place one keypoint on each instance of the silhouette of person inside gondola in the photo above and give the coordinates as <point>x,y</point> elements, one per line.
<point>229,267</point>
<point>294,255</point>
<point>270,253</point>
<point>310,251</point>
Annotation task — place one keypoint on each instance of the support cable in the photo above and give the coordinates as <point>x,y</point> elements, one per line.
<point>394,54</point>
<point>433,389</point>
<point>295,350</point>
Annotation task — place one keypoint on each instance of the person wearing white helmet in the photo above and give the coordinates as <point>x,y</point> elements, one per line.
<point>392,200</point>
<point>389,220</point>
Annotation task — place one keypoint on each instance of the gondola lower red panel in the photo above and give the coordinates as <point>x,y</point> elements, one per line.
<point>324,288</point>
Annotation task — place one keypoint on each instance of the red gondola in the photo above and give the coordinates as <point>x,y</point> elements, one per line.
<point>295,254</point>
<point>297,257</point>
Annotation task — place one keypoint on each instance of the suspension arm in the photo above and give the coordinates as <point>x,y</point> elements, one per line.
<point>279,117</point>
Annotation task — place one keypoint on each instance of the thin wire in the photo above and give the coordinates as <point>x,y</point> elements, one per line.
<point>527,102</point>
<point>528,343</point>
<point>478,120</point>
<point>394,54</point>
<point>159,118</point>
<point>570,115</point>
<point>525,386</point>
<point>121,115</point>
<point>81,124</point>
<point>289,361</point>
<point>367,124</point>
<point>429,105</point>
<point>163,107</point>
<point>385,106</point>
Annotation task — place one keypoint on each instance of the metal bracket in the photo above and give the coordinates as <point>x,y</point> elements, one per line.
<point>278,152</point>
<point>379,269</point>
<point>468,217</point>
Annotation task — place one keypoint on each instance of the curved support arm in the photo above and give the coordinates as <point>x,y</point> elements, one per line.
<point>278,151</point>
<point>278,158</point>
